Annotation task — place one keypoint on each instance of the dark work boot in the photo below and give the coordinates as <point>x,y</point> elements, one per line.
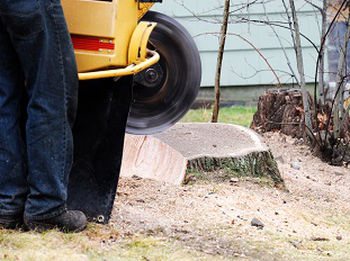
<point>68,221</point>
<point>11,221</point>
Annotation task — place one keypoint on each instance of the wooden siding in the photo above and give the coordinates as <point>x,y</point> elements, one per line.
<point>242,64</point>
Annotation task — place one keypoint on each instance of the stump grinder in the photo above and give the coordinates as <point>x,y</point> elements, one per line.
<point>139,73</point>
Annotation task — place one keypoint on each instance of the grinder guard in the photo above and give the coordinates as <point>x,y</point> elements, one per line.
<point>99,131</point>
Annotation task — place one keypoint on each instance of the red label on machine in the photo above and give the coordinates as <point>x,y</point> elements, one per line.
<point>92,44</point>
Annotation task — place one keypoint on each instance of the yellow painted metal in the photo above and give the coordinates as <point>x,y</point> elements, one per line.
<point>92,18</point>
<point>143,9</point>
<point>131,69</point>
<point>139,40</point>
<point>115,21</point>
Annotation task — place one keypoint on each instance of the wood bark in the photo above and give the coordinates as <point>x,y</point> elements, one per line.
<point>223,35</point>
<point>300,65</point>
<point>281,110</point>
<point>321,87</point>
<point>260,165</point>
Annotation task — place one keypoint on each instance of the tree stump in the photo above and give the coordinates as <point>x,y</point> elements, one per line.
<point>281,110</point>
<point>214,151</point>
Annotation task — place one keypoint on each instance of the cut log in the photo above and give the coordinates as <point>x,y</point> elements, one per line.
<point>189,147</point>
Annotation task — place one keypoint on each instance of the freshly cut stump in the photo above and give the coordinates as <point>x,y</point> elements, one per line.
<point>188,147</point>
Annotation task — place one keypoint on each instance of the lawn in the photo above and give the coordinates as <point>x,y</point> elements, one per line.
<point>96,243</point>
<point>236,115</point>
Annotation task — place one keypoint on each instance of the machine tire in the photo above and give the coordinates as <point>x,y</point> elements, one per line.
<point>163,93</point>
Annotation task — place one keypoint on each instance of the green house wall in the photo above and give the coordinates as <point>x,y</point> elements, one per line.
<point>243,65</point>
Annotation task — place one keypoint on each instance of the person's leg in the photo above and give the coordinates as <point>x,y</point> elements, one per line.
<point>334,46</point>
<point>347,86</point>
<point>39,34</point>
<point>335,43</point>
<point>13,185</point>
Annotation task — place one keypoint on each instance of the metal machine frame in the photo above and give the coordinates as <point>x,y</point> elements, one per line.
<point>107,37</point>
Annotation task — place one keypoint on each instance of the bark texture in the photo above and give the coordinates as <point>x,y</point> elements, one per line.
<point>257,165</point>
<point>280,110</point>
<point>223,34</point>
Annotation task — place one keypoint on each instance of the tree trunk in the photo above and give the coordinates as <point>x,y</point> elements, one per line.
<point>321,70</point>
<point>300,65</point>
<point>216,107</point>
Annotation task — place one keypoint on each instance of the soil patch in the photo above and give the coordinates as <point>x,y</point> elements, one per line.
<point>216,217</point>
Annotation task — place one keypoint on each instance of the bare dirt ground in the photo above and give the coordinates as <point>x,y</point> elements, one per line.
<point>212,220</point>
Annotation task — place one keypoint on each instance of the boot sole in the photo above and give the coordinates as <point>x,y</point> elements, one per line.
<point>42,227</point>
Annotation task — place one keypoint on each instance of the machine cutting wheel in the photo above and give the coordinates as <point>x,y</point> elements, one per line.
<point>164,92</point>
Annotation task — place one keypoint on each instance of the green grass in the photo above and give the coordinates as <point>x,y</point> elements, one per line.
<point>239,115</point>
<point>92,244</point>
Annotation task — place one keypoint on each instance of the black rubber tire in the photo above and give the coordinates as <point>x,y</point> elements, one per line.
<point>159,106</point>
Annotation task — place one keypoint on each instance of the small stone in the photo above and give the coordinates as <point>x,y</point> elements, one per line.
<point>140,201</point>
<point>313,223</point>
<point>190,178</point>
<point>319,239</point>
<point>338,173</point>
<point>280,159</point>
<point>257,223</point>
<point>339,238</point>
<point>276,213</point>
<point>234,180</point>
<point>295,165</point>
<point>136,177</point>
<point>296,244</point>
<point>233,222</point>
<point>183,231</point>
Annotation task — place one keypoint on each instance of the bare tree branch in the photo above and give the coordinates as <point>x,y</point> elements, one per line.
<point>216,106</point>
<point>300,65</point>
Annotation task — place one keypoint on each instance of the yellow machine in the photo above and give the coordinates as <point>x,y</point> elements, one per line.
<point>108,40</point>
<point>139,72</point>
<point>115,38</point>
